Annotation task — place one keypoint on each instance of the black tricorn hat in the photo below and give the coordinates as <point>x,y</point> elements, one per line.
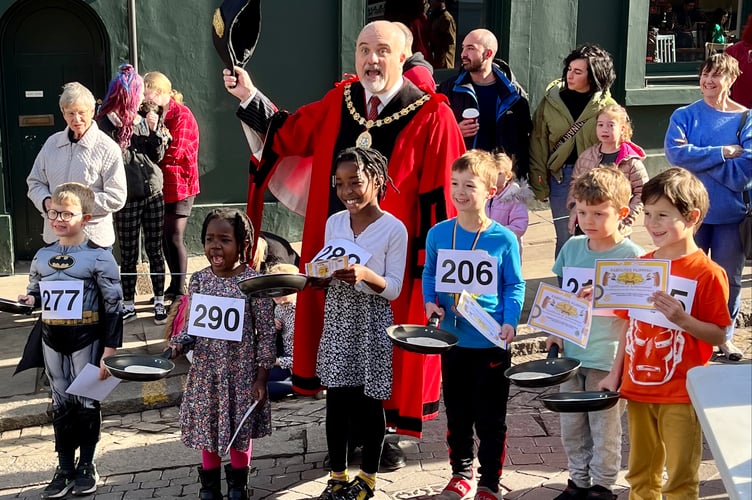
<point>236,26</point>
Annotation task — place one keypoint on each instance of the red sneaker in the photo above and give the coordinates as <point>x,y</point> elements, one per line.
<point>458,488</point>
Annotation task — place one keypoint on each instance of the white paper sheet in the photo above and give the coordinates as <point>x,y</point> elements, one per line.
<point>88,385</point>
<point>240,426</point>
<point>480,319</point>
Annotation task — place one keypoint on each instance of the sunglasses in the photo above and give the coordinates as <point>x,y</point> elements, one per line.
<point>66,216</point>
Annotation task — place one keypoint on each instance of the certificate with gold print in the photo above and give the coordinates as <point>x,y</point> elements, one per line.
<point>628,284</point>
<point>561,313</point>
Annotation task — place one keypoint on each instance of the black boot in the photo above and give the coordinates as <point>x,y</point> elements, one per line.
<point>237,483</point>
<point>211,484</point>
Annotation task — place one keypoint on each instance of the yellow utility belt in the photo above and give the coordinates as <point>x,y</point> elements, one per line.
<point>88,318</point>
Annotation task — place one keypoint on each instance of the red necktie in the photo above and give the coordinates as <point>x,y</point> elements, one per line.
<point>373,108</point>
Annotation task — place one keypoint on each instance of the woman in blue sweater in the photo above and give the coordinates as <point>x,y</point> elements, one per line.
<point>712,138</point>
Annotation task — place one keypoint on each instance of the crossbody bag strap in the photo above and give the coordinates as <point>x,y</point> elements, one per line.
<point>745,194</point>
<point>568,134</point>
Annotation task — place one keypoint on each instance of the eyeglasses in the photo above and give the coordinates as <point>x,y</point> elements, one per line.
<point>53,214</point>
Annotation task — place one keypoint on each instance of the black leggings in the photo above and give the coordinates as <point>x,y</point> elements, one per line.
<point>350,412</point>
<point>174,249</point>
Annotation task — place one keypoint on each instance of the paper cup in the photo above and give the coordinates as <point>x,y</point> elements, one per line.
<point>470,114</point>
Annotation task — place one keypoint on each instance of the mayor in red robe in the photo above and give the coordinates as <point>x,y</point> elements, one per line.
<point>294,155</point>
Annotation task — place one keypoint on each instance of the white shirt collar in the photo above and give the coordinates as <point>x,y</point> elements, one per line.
<point>386,96</point>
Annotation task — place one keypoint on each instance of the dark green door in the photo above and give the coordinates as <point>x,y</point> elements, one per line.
<point>43,44</point>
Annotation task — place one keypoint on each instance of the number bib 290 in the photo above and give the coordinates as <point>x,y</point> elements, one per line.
<point>216,317</point>
<point>472,270</point>
<point>62,299</point>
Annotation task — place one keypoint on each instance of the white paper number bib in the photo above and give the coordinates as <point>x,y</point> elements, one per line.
<point>339,247</point>
<point>682,289</point>
<point>216,317</point>
<point>472,270</point>
<point>62,299</point>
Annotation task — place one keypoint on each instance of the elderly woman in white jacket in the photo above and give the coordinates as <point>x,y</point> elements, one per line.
<point>80,153</point>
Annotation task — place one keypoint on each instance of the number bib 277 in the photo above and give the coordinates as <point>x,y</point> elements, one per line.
<point>216,317</point>
<point>474,271</point>
<point>62,299</point>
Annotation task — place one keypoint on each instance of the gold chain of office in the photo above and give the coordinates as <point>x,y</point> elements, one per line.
<point>364,140</point>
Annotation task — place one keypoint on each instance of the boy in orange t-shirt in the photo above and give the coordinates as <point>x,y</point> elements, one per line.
<point>661,345</point>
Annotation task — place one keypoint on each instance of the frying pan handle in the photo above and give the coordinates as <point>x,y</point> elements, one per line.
<point>167,354</point>
<point>553,351</point>
<point>433,321</point>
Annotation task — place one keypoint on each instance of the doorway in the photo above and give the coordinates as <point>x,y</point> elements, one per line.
<point>43,44</point>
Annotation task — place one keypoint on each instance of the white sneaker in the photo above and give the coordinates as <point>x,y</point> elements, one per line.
<point>160,314</point>
<point>129,315</point>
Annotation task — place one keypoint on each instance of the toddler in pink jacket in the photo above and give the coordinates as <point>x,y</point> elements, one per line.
<point>509,206</point>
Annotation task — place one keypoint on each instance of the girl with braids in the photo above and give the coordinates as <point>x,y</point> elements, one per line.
<point>355,355</point>
<point>143,140</point>
<point>226,376</point>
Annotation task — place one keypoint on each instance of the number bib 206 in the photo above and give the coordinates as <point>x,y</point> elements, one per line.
<point>216,317</point>
<point>62,299</point>
<point>472,270</point>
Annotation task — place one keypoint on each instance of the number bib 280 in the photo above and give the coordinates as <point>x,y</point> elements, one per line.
<point>62,299</point>
<point>216,317</point>
<point>472,270</point>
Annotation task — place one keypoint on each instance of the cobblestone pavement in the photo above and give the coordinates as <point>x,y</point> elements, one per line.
<point>141,456</point>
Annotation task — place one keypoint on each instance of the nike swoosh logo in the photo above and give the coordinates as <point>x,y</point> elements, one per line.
<point>496,365</point>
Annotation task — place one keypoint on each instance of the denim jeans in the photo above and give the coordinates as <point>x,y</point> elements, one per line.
<point>559,211</point>
<point>723,244</point>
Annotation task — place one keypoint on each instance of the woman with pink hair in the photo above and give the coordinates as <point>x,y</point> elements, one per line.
<point>143,139</point>
<point>741,92</point>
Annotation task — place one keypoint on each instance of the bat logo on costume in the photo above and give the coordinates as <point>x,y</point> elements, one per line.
<point>61,262</point>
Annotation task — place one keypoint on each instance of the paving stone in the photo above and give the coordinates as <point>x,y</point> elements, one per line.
<point>138,494</point>
<point>298,468</point>
<point>175,473</point>
<point>168,492</point>
<point>283,482</point>
<point>161,483</point>
<point>142,477</point>
<point>113,495</point>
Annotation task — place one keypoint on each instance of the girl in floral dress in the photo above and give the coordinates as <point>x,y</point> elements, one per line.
<point>355,355</point>
<point>226,377</point>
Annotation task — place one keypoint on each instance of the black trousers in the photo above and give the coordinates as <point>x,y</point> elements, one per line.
<point>475,395</point>
<point>349,412</point>
<point>149,215</point>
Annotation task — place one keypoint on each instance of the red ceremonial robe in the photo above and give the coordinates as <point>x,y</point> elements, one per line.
<point>300,151</point>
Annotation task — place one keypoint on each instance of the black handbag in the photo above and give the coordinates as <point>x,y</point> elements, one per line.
<point>137,180</point>
<point>745,228</point>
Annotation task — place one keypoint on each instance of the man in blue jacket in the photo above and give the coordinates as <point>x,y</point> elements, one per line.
<point>489,87</point>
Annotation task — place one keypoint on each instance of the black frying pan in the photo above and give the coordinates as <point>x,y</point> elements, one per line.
<point>13,307</point>
<point>422,339</point>
<point>575,402</point>
<point>273,285</point>
<point>140,367</point>
<point>543,372</point>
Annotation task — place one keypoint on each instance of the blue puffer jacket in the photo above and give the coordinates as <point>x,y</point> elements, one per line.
<point>513,123</point>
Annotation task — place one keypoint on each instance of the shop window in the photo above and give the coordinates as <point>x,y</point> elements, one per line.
<point>689,31</point>
<point>438,27</point>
